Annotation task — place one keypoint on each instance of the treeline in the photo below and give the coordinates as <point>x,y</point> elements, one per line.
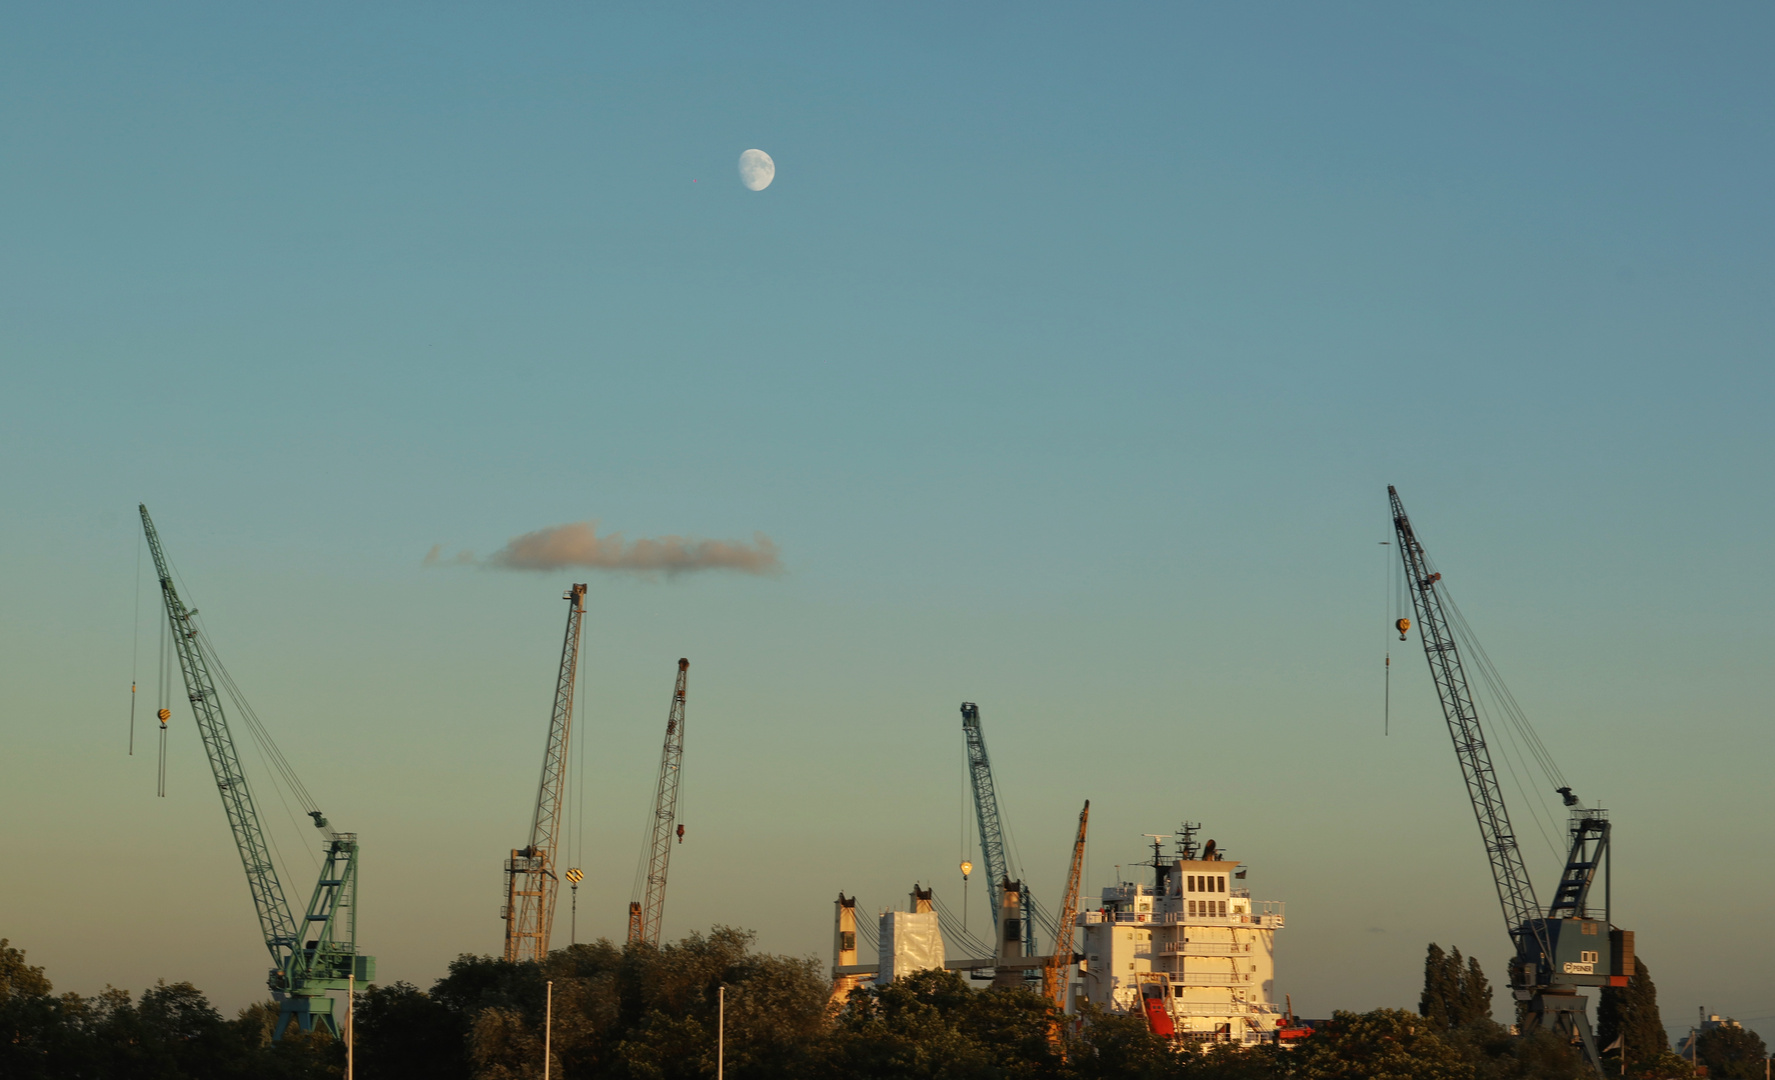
<point>638,1012</point>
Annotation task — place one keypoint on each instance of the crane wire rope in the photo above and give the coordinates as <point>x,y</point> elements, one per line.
<point>1521,742</point>
<point>953,931</point>
<point>1524,753</point>
<point>270,756</point>
<point>162,702</point>
<point>135,647</point>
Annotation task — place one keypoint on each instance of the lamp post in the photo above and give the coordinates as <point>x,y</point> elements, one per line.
<point>548,1027</point>
<point>720,1031</point>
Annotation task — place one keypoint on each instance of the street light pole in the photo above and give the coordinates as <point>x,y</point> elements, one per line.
<point>548,1027</point>
<point>350,1022</point>
<point>720,1032</point>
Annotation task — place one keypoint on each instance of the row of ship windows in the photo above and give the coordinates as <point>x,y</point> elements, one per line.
<point>1207,883</point>
<point>1208,907</point>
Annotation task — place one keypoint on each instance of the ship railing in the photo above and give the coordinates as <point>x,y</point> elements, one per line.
<point>1210,978</point>
<point>1222,1008</point>
<point>1205,948</point>
<point>1266,913</point>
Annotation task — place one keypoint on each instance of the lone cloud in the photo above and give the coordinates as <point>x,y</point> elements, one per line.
<point>578,544</point>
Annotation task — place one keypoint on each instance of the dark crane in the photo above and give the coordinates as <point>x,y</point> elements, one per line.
<point>647,914</point>
<point>319,953</point>
<point>530,879</point>
<point>1565,948</point>
<point>992,830</point>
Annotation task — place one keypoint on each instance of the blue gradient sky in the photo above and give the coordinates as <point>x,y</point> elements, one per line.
<point>1067,360</point>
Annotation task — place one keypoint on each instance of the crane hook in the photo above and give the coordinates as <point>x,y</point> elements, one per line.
<point>680,833</point>
<point>1402,626</point>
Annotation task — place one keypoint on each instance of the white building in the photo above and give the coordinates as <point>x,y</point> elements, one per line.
<point>1191,950</point>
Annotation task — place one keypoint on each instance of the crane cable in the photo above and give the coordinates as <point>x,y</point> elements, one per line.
<point>135,648</point>
<point>277,767</point>
<point>1523,751</point>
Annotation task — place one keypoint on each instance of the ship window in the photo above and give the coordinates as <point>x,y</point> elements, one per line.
<point>1192,907</point>
<point>1220,883</point>
<point>1192,883</point>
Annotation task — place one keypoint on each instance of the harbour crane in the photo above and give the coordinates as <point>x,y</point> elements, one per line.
<point>530,878</point>
<point>646,915</point>
<point>992,833</point>
<point>1566,948</point>
<point>1057,971</point>
<point>319,953</point>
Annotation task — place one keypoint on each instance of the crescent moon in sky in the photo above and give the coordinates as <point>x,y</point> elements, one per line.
<point>757,170</point>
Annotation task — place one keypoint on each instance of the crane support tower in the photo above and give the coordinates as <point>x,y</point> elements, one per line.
<point>530,880</point>
<point>318,954</point>
<point>1057,972</point>
<point>992,831</point>
<point>1567,947</point>
<point>646,915</point>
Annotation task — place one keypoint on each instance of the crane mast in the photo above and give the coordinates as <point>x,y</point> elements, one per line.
<point>646,917</point>
<point>1057,972</point>
<point>530,880</point>
<point>302,970</point>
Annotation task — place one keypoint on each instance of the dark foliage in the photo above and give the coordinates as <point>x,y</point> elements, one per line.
<point>1732,1052</point>
<point>1454,994</point>
<point>641,1013</point>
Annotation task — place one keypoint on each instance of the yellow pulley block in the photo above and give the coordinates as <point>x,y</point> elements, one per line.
<point>1402,626</point>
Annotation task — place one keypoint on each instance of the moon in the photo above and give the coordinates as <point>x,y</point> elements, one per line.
<point>757,170</point>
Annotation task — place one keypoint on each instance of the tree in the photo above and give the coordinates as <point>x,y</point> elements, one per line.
<point>18,978</point>
<point>1630,1013</point>
<point>1440,987</point>
<point>1386,1044</point>
<point>1454,993</point>
<point>1475,992</point>
<point>1732,1052</point>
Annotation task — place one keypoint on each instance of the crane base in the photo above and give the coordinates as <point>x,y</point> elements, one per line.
<point>308,1013</point>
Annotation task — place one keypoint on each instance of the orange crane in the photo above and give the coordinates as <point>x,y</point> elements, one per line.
<point>1057,972</point>
<point>646,914</point>
<point>530,881</point>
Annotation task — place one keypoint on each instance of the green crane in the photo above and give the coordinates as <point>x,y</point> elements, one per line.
<point>319,953</point>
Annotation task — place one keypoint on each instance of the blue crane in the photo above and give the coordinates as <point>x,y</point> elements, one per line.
<point>1567,947</point>
<point>319,953</point>
<point>992,833</point>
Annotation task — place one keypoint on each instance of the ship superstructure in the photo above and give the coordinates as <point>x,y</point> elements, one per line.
<point>1190,949</point>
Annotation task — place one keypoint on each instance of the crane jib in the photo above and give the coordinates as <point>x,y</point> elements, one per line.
<point>303,971</point>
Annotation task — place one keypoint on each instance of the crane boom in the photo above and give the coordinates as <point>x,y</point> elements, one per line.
<point>303,971</point>
<point>531,884</point>
<point>276,924</point>
<point>1057,972</point>
<point>1516,894</point>
<point>645,921</point>
<point>992,836</point>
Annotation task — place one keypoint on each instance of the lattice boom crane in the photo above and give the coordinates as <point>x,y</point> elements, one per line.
<point>1567,947</point>
<point>530,879</point>
<point>992,830</point>
<point>319,953</point>
<point>647,914</point>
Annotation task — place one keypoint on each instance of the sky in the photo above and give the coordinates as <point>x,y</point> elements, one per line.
<point>1065,365</point>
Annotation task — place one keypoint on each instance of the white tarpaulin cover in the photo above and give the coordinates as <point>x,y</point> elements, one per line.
<point>910,941</point>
